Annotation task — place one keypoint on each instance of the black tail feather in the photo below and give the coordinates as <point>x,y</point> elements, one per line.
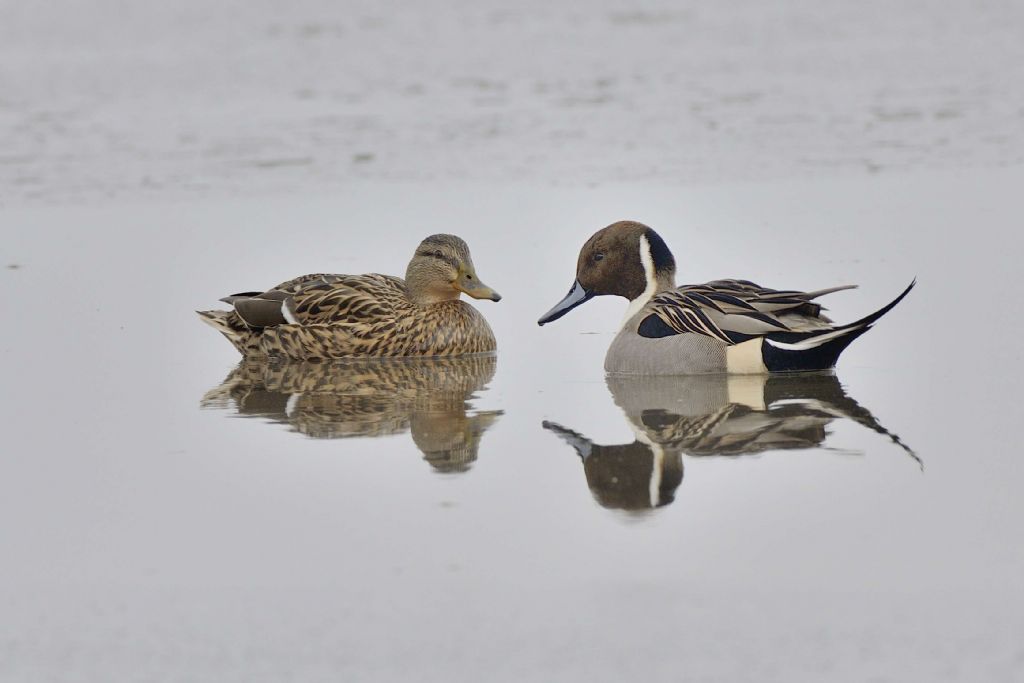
<point>780,357</point>
<point>869,319</point>
<point>821,357</point>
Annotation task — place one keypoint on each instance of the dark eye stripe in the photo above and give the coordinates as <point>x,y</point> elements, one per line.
<point>439,256</point>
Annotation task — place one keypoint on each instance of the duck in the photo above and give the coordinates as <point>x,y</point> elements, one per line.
<point>323,316</point>
<point>702,416</point>
<point>632,477</point>
<point>734,415</point>
<point>429,398</point>
<point>725,326</point>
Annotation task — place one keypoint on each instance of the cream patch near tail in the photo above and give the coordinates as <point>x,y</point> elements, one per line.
<point>745,358</point>
<point>747,390</point>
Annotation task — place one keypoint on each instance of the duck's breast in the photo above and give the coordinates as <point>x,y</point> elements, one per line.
<point>454,328</point>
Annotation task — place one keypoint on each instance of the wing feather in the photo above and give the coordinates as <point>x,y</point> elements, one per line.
<point>733,310</point>
<point>361,300</point>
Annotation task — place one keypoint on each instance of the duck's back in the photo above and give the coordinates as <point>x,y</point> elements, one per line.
<point>384,329</point>
<point>370,299</point>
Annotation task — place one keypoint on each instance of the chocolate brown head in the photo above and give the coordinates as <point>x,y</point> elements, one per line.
<point>625,259</point>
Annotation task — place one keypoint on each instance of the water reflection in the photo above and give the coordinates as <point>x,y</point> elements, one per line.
<point>714,415</point>
<point>369,398</point>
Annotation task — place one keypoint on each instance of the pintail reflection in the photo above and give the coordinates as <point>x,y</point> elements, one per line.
<point>368,398</point>
<point>633,476</point>
<point>711,415</point>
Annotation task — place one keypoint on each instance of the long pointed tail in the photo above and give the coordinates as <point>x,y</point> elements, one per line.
<point>870,319</point>
<point>820,349</point>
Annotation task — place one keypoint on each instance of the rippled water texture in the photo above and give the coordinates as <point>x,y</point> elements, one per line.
<point>200,98</point>
<point>519,517</point>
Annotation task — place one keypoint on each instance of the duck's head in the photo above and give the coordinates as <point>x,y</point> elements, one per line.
<point>442,269</point>
<point>625,259</point>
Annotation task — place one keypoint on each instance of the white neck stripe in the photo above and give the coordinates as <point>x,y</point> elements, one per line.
<point>652,282</point>
<point>657,465</point>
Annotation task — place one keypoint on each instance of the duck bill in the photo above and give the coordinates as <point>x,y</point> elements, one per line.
<point>576,296</point>
<point>478,290</point>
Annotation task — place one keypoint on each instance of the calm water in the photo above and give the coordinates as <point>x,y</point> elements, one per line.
<point>201,98</point>
<point>167,514</point>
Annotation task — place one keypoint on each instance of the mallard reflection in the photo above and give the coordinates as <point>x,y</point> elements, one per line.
<point>369,398</point>
<point>714,415</point>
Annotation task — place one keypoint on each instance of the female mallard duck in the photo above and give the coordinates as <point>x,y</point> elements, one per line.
<point>370,397</point>
<point>347,316</point>
<point>731,326</point>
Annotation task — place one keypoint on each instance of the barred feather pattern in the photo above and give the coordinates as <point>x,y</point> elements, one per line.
<point>428,397</point>
<point>731,310</point>
<point>736,429</point>
<point>352,316</point>
<point>705,415</point>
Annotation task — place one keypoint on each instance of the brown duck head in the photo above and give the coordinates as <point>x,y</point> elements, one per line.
<point>625,259</point>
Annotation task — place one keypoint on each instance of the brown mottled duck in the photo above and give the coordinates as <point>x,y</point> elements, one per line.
<point>350,316</point>
<point>431,398</point>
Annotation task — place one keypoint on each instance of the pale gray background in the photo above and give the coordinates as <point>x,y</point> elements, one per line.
<point>154,158</point>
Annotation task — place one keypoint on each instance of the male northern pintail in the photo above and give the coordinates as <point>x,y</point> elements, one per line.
<point>731,326</point>
<point>345,316</point>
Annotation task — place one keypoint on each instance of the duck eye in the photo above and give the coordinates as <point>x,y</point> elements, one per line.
<point>468,276</point>
<point>598,257</point>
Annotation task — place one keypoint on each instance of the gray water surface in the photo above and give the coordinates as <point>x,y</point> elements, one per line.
<point>167,514</point>
<point>199,99</point>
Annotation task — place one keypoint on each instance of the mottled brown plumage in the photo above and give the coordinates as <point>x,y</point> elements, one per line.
<point>347,316</point>
<point>429,397</point>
